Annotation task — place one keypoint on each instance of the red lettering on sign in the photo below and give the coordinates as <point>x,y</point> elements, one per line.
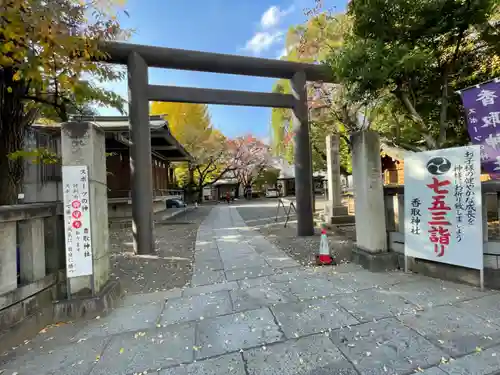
<point>77,214</point>
<point>76,204</point>
<point>77,224</point>
<point>439,250</point>
<point>439,235</point>
<point>436,184</point>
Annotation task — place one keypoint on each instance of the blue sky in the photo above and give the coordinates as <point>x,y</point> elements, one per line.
<point>243,27</point>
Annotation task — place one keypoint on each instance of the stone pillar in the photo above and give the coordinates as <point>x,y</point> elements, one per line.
<point>371,235</point>
<point>54,244</point>
<point>303,159</point>
<point>140,155</point>
<point>334,205</point>
<point>32,249</point>
<point>8,260</point>
<point>84,144</point>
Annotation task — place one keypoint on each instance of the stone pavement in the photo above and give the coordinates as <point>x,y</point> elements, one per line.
<point>252,310</point>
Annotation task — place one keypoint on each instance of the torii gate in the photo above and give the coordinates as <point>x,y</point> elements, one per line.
<point>138,58</point>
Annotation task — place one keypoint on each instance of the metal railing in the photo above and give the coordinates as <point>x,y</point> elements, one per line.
<point>283,202</point>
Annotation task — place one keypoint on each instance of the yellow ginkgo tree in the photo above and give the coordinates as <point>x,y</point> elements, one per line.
<point>191,125</point>
<point>47,53</point>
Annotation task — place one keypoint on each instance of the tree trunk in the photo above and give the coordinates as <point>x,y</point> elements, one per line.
<point>431,142</point>
<point>13,124</point>
<point>190,183</point>
<point>200,194</point>
<point>11,171</point>
<point>10,184</point>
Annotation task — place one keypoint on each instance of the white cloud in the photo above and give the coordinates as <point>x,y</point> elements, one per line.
<point>262,41</point>
<point>273,16</point>
<point>268,33</point>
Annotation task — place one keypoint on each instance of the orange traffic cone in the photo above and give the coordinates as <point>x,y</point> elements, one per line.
<point>324,257</point>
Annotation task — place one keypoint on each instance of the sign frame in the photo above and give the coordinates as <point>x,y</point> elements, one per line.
<point>77,222</point>
<point>443,207</point>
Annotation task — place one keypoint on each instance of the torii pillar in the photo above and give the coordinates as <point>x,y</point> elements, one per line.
<point>334,210</point>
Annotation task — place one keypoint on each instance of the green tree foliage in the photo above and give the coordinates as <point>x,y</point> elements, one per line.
<point>311,42</point>
<point>281,125</point>
<point>406,58</point>
<point>46,47</point>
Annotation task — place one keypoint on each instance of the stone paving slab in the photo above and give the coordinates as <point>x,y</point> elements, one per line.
<point>304,318</point>
<point>77,358</point>
<point>346,282</point>
<point>152,350</point>
<point>347,267</point>
<point>48,339</point>
<point>453,329</point>
<point>206,246</point>
<point>250,261</point>
<point>206,277</point>
<point>210,288</point>
<point>259,296</point>
<point>212,265</point>
<point>234,332</point>
<point>292,274</point>
<point>147,298</point>
<point>123,319</point>
<point>367,305</point>
<point>305,356</point>
<point>230,364</point>
<point>260,244</point>
<point>234,257</point>
<point>280,261</point>
<point>310,288</point>
<point>386,346</point>
<point>486,362</point>
<point>432,292</point>
<point>196,307</point>
<point>249,272</point>
<point>433,371</point>
<point>487,307</point>
<point>250,283</point>
<point>209,261</point>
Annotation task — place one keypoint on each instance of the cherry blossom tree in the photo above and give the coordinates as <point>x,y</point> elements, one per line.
<point>250,157</point>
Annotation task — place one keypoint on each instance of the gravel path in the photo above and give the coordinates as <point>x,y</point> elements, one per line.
<point>170,267</point>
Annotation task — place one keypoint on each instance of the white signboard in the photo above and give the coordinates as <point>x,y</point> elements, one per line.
<point>443,215</point>
<point>77,221</point>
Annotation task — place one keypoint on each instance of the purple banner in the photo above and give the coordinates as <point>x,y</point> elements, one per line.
<point>482,107</point>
